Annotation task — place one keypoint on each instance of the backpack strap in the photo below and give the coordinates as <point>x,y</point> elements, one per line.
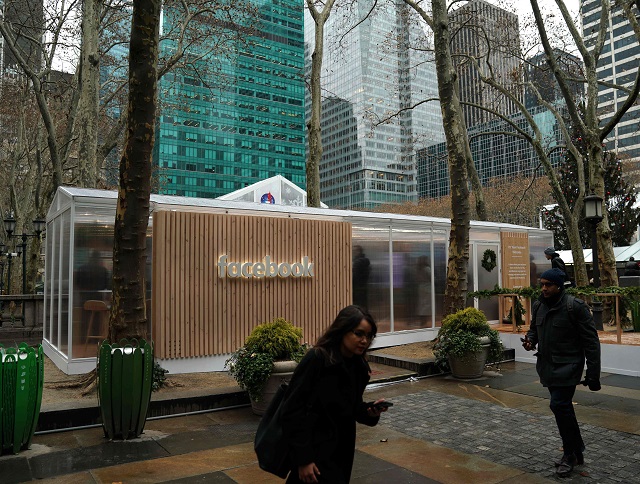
<point>570,300</point>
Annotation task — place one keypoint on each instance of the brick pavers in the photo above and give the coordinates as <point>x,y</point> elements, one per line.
<point>513,437</point>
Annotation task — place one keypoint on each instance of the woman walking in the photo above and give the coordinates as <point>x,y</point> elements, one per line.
<point>324,401</point>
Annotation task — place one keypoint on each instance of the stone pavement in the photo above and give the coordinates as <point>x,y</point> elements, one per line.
<point>496,429</point>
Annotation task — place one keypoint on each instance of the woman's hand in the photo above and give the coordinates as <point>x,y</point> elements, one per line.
<point>374,411</point>
<point>308,473</point>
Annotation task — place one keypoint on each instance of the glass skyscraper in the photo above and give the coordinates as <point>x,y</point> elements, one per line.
<point>491,35</point>
<point>372,74</point>
<point>618,64</point>
<point>495,153</point>
<point>222,131</point>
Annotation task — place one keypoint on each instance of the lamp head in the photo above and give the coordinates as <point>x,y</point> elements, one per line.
<point>9,225</point>
<point>593,208</point>
<point>39,226</point>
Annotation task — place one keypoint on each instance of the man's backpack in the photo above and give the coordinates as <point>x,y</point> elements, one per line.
<point>269,444</point>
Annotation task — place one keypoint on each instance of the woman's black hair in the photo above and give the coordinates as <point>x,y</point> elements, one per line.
<point>347,320</point>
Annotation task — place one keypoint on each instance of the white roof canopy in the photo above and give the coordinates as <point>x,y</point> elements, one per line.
<point>276,190</point>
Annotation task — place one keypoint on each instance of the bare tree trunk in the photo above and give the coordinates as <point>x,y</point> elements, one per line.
<point>458,158</point>
<point>89,86</point>
<point>315,134</point>
<point>128,308</point>
<point>478,191</point>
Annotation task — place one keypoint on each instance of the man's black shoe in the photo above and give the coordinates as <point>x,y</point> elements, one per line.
<point>566,465</point>
<point>579,460</point>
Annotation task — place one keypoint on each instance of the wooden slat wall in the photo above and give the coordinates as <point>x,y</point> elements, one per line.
<point>515,259</point>
<point>196,313</point>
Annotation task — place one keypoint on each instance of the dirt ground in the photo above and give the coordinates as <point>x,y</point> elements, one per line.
<point>55,393</point>
<point>421,350</point>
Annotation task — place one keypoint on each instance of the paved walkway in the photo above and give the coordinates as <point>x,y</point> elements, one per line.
<point>497,429</point>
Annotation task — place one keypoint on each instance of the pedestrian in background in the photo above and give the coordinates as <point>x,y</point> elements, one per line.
<point>631,268</point>
<point>360,270</point>
<point>324,401</point>
<point>557,263</point>
<point>562,328</point>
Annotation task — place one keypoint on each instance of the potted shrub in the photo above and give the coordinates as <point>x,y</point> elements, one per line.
<point>466,343</point>
<point>268,358</point>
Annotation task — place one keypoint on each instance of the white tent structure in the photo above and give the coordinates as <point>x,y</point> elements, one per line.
<point>620,253</point>
<point>276,190</point>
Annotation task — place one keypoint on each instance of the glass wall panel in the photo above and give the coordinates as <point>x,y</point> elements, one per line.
<point>92,268</point>
<point>65,245</point>
<point>412,289</point>
<point>539,262</point>
<point>479,233</point>
<point>51,282</point>
<point>471,276</point>
<point>371,287</point>
<point>439,270</point>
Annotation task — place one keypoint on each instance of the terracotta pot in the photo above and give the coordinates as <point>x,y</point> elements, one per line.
<point>472,364</point>
<point>282,373</point>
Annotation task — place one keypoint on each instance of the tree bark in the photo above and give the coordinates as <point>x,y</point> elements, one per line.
<point>128,309</point>
<point>458,159</point>
<point>313,127</point>
<point>88,103</point>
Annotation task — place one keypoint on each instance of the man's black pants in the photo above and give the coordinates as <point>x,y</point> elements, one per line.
<point>562,407</point>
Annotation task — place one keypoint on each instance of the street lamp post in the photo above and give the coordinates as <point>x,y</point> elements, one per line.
<point>9,227</point>
<point>593,215</point>
<point>9,257</point>
<point>2,254</point>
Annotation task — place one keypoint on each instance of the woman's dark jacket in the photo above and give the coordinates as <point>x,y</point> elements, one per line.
<point>565,339</point>
<point>323,403</point>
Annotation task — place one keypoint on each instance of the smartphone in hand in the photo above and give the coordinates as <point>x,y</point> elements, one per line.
<point>380,405</point>
<point>383,405</point>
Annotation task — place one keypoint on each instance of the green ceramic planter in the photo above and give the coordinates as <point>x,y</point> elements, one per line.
<point>21,384</point>
<point>125,375</point>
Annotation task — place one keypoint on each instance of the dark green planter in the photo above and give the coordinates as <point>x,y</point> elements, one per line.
<point>635,314</point>
<point>21,383</point>
<point>125,375</point>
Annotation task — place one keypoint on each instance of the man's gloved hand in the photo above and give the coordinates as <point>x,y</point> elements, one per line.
<point>594,385</point>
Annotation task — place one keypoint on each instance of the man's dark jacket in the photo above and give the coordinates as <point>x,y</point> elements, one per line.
<point>564,342</point>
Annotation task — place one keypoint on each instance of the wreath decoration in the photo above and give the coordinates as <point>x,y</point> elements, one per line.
<point>489,260</point>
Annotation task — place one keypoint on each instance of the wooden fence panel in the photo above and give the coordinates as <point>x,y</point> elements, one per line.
<point>198,313</point>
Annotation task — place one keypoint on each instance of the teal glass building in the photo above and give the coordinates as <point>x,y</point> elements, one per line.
<point>222,131</point>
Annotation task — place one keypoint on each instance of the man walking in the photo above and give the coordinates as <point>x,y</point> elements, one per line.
<point>562,327</point>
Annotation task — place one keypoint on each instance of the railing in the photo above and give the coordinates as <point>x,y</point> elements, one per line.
<point>503,298</point>
<point>21,310</point>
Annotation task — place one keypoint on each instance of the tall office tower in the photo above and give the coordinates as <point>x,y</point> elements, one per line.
<point>491,36</point>
<point>372,72</point>
<point>221,131</point>
<point>26,18</point>
<point>618,65</point>
<point>538,73</point>
<point>495,153</point>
